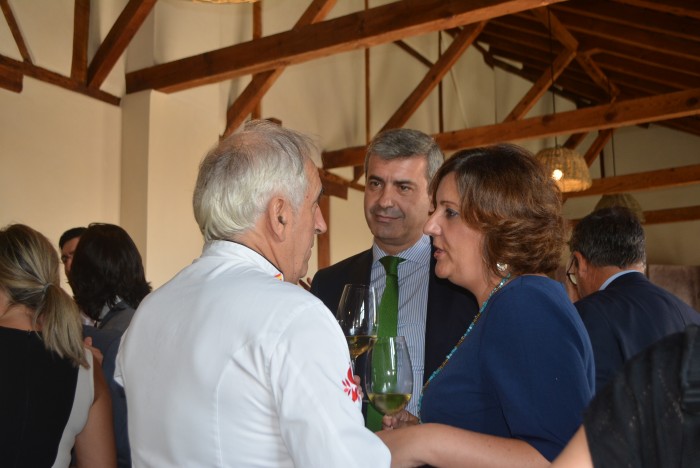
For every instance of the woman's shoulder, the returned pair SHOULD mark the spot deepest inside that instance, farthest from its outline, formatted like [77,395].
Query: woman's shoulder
[534,286]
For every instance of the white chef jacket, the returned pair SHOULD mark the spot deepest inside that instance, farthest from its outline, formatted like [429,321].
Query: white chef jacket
[226,365]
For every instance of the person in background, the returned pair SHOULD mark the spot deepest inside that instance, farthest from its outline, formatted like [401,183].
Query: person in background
[231,363]
[52,396]
[622,310]
[67,245]
[107,276]
[649,415]
[433,313]
[108,281]
[513,390]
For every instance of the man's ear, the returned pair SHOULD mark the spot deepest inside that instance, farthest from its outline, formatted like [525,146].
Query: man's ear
[278,215]
[583,265]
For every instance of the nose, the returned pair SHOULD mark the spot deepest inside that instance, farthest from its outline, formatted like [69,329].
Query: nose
[431,227]
[386,200]
[320,223]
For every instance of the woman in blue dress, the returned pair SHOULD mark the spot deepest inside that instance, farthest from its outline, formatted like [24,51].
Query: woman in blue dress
[513,390]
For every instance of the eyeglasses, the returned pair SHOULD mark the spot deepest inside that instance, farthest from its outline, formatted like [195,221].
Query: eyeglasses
[570,274]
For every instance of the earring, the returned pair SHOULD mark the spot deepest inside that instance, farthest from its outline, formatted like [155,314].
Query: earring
[502,267]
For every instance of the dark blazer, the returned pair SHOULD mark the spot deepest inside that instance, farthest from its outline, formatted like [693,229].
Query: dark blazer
[107,341]
[450,308]
[627,316]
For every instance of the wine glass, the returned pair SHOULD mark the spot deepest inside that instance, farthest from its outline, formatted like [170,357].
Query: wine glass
[357,316]
[389,375]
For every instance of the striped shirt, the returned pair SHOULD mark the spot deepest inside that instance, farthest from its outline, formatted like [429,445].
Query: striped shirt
[414,274]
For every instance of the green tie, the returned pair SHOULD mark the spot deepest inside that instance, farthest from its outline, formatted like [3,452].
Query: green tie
[388,318]
[388,315]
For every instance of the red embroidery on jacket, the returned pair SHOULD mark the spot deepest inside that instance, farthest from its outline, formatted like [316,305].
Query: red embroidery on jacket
[349,386]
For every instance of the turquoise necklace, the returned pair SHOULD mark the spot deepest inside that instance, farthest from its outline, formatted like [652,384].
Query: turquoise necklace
[461,340]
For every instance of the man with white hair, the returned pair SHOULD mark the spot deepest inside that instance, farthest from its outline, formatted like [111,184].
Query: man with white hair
[231,363]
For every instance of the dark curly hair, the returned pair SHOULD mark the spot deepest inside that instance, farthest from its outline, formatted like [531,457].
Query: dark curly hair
[506,195]
[107,264]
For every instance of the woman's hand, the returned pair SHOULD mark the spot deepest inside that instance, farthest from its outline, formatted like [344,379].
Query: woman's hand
[400,419]
[96,353]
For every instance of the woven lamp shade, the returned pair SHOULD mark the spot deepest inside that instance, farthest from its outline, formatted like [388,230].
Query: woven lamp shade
[568,168]
[624,200]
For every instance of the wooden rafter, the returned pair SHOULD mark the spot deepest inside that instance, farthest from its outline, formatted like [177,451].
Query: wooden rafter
[413,53]
[597,146]
[672,215]
[16,32]
[619,114]
[687,8]
[118,38]
[642,18]
[669,215]
[616,115]
[371,27]
[563,35]
[616,34]
[51,77]
[460,43]
[11,78]
[541,86]
[640,181]
[256,112]
[262,82]
[81,29]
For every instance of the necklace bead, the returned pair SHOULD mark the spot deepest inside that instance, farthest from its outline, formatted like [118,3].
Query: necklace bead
[461,340]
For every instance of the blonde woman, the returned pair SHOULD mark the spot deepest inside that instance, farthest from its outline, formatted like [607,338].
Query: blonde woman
[52,396]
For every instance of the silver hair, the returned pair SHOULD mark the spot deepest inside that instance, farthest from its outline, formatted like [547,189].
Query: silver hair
[239,177]
[401,143]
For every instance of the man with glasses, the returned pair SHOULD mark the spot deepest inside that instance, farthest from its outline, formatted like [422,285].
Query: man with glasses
[67,244]
[622,310]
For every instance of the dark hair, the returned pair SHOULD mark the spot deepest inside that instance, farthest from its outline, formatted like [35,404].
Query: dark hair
[107,264]
[610,236]
[71,233]
[506,195]
[404,143]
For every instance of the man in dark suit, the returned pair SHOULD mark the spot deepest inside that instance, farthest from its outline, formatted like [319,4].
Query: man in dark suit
[622,310]
[433,313]
[107,342]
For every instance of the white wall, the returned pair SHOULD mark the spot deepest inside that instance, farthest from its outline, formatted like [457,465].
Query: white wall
[68,160]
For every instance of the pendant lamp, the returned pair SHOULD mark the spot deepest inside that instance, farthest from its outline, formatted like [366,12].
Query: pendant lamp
[567,167]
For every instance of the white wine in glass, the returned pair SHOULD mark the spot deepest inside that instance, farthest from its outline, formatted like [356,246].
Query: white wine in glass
[357,316]
[389,375]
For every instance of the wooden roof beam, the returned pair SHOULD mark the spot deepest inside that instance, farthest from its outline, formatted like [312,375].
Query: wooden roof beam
[687,8]
[81,29]
[642,181]
[549,76]
[619,114]
[672,215]
[597,146]
[575,140]
[51,77]
[118,38]
[640,18]
[11,78]
[16,32]
[633,36]
[262,82]
[669,215]
[366,28]
[437,72]
[563,35]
